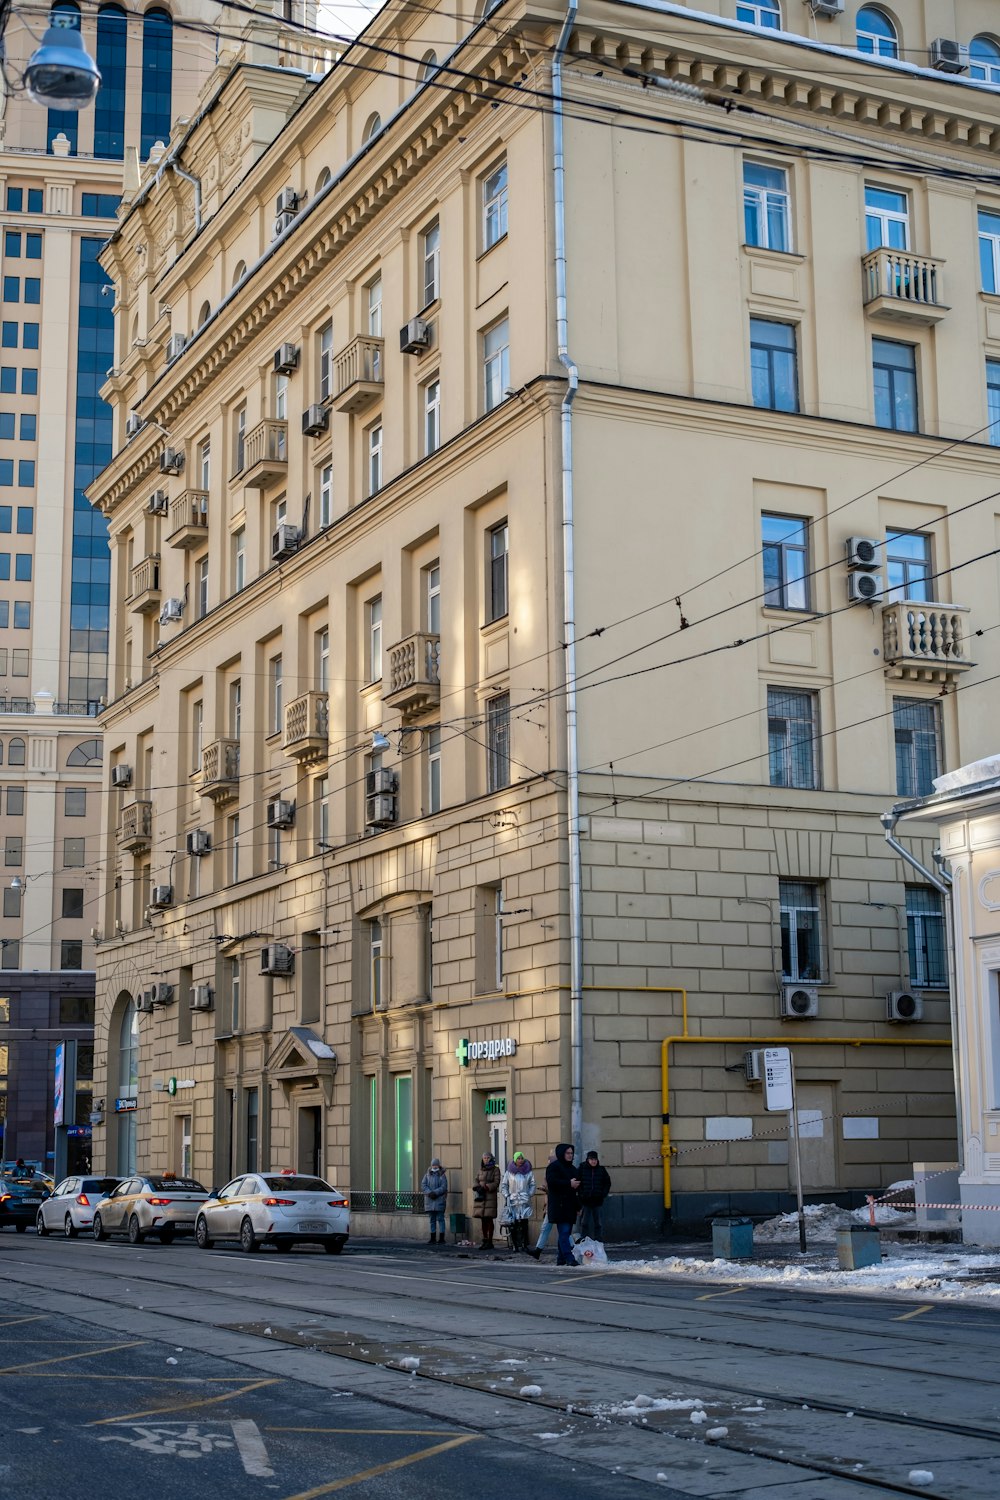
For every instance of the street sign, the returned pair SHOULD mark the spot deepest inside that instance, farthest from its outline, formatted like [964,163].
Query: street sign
[171,1086]
[777,1078]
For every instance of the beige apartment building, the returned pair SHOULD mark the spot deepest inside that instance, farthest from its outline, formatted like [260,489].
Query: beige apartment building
[666,341]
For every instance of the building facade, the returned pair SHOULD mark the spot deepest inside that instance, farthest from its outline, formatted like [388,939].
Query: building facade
[342,837]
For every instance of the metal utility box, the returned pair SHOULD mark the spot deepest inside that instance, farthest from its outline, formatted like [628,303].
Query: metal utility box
[858,1246]
[732,1239]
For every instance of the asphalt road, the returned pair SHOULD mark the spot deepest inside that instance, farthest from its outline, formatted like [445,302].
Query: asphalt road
[167,1371]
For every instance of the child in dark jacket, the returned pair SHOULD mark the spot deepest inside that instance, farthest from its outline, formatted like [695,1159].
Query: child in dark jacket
[595,1185]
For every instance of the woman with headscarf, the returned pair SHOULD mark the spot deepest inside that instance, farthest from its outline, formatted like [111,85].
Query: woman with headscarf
[518,1189]
[484,1191]
[434,1186]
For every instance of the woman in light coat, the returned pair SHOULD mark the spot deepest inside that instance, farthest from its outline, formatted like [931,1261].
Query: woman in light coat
[518,1190]
[485,1193]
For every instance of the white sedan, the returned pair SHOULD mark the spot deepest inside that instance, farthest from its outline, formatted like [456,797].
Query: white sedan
[275,1208]
[70,1206]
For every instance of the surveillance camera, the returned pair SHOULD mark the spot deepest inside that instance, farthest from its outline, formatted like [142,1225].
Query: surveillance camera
[60,74]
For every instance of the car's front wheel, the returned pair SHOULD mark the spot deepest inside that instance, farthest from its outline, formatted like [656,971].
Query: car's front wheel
[40,1228]
[135,1234]
[202,1238]
[69,1228]
[99,1232]
[248,1240]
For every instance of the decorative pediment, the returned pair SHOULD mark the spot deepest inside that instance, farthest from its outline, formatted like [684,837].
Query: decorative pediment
[302,1057]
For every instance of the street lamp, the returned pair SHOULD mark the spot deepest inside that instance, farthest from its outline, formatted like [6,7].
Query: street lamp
[60,73]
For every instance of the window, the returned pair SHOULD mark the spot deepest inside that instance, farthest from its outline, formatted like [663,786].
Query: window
[432,416]
[201,588]
[792,739]
[786,561]
[984,60]
[15,801]
[766,209]
[495,206]
[321,799]
[11,902]
[325,361]
[33,246]
[235,992]
[801,934]
[75,802]
[917,732]
[233,840]
[375,311]
[277,684]
[375,459]
[993,399]
[98,205]
[239,560]
[887,219]
[372,127]
[766,13]
[374,663]
[5,567]
[375,963]
[25,472]
[498,938]
[432,598]
[10,957]
[29,336]
[197,734]
[12,849]
[876,33]
[32,290]
[8,379]
[12,244]
[496,364]
[7,426]
[29,381]
[894,370]
[322,660]
[326,494]
[71,953]
[428,66]
[498,742]
[157,66]
[773,371]
[430,256]
[8,335]
[74,853]
[907,565]
[240,441]
[403,1137]
[109,108]
[497,604]
[25,520]
[72,902]
[15,753]
[253,1128]
[926,937]
[235,709]
[12,289]
[205,464]
[434,770]
[28,427]
[989,250]
[281,398]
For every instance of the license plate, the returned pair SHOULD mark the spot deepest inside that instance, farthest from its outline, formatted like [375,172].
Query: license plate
[31,1200]
[312,1226]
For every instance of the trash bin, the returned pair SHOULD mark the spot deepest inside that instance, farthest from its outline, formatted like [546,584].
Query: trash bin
[458,1224]
[858,1246]
[732,1239]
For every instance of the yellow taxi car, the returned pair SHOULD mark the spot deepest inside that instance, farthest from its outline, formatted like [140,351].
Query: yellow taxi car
[161,1204]
[275,1208]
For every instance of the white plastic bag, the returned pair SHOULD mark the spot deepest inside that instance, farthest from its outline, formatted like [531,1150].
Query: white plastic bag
[590,1253]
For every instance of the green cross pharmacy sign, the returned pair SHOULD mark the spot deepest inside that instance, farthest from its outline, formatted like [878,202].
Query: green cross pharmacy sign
[488,1051]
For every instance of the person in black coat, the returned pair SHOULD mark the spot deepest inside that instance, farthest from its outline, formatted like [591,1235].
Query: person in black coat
[562,1182]
[595,1185]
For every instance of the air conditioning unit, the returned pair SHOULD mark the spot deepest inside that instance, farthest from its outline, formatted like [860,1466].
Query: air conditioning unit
[948,56]
[828,8]
[162,895]
[158,504]
[315,419]
[171,461]
[133,424]
[799,1002]
[862,552]
[202,997]
[144,1002]
[753,1067]
[281,223]
[162,994]
[287,201]
[414,336]
[176,345]
[276,958]
[172,610]
[900,1005]
[121,776]
[198,842]
[284,541]
[380,811]
[380,781]
[286,359]
[280,814]
[863,588]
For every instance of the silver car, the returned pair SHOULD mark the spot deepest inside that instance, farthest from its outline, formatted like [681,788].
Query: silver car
[71,1205]
[161,1204]
[275,1208]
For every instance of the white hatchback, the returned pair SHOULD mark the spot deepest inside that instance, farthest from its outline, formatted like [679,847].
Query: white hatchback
[275,1208]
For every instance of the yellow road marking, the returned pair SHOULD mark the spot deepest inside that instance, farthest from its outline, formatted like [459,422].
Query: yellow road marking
[915,1313]
[166,1411]
[62,1358]
[397,1463]
[707,1297]
[12,1322]
[369,1431]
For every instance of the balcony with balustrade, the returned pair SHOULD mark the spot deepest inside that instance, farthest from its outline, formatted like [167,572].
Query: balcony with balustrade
[265,455]
[189,520]
[414,675]
[135,831]
[307,728]
[358,379]
[220,771]
[925,642]
[903,288]
[144,590]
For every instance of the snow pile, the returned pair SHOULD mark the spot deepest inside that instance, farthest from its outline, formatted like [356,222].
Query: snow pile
[531,1390]
[920,1476]
[717,1433]
[410,1363]
[824,1219]
[640,1406]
